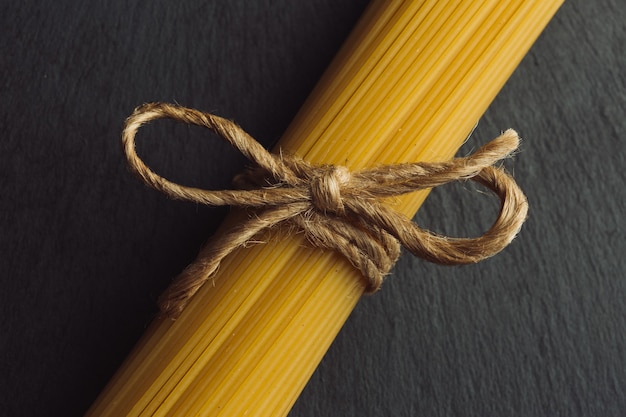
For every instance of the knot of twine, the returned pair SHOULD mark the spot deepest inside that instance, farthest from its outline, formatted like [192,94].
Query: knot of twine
[335,208]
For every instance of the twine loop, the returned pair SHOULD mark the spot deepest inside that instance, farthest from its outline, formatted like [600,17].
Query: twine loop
[326,189]
[335,208]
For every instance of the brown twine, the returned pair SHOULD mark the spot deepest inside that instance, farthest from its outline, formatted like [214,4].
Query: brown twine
[335,208]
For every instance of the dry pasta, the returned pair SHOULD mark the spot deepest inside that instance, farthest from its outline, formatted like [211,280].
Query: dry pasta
[409,84]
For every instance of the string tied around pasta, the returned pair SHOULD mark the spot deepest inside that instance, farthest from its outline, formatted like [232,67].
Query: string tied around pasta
[335,208]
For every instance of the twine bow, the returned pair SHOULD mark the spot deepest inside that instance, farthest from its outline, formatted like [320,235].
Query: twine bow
[335,208]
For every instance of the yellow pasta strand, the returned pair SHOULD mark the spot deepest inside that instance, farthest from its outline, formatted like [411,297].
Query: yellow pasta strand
[409,84]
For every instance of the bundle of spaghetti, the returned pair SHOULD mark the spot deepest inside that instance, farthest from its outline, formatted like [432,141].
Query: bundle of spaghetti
[409,84]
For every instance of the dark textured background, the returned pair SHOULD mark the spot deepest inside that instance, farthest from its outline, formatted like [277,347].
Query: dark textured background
[85,248]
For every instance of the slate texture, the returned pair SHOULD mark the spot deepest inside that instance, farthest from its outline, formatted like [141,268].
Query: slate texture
[85,248]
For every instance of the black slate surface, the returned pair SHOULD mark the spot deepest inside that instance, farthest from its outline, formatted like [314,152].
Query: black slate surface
[86,249]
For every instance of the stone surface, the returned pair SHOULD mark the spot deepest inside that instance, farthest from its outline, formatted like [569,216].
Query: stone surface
[86,249]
